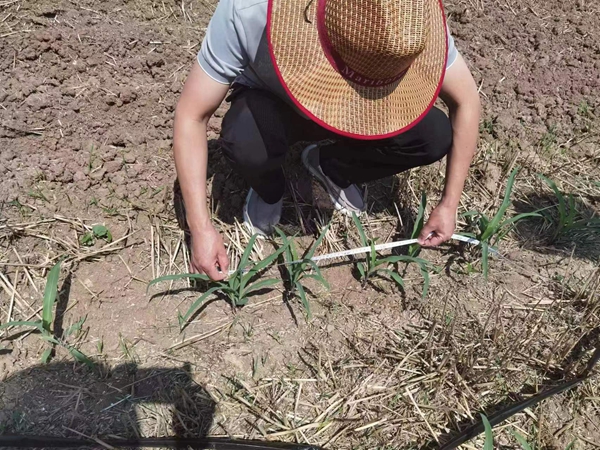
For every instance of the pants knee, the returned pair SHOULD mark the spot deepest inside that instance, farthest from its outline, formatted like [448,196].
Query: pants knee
[246,142]
[238,153]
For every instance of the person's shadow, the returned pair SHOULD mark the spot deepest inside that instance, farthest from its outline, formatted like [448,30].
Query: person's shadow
[63,400]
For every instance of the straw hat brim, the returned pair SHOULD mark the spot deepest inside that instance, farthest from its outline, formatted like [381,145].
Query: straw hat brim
[347,108]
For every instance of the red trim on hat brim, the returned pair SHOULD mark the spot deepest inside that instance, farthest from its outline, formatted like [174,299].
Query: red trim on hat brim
[342,132]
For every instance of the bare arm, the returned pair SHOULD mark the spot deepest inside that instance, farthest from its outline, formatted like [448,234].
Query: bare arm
[200,98]
[459,92]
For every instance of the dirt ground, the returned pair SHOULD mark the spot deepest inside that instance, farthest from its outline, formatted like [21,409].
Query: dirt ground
[87,95]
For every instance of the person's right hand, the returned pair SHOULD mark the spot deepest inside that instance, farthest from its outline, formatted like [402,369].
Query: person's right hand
[208,254]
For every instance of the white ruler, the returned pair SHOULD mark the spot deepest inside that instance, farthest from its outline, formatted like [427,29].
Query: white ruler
[379,247]
[389,245]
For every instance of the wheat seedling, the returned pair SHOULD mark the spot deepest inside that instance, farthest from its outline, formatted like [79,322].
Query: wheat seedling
[298,269]
[375,266]
[44,326]
[569,218]
[238,287]
[492,231]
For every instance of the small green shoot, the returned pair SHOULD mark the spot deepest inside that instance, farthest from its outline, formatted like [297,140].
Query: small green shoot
[44,326]
[97,232]
[415,249]
[299,271]
[489,437]
[238,288]
[569,218]
[375,266]
[492,231]
[521,439]
[489,434]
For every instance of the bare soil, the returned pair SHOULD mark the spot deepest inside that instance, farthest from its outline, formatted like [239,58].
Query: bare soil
[87,94]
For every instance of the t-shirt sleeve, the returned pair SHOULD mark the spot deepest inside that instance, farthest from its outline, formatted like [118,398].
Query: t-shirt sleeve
[452,51]
[222,54]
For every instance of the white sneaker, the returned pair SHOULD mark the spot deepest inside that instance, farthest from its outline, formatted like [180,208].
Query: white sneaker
[261,217]
[348,200]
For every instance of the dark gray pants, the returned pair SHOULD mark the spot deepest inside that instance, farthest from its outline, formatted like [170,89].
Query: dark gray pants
[259,128]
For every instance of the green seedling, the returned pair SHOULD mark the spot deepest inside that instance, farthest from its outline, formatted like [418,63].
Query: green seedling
[238,287]
[415,249]
[376,266]
[44,327]
[97,232]
[522,441]
[489,434]
[492,231]
[296,271]
[569,218]
[489,437]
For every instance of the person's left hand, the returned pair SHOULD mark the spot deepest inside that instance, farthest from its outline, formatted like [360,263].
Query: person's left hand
[440,226]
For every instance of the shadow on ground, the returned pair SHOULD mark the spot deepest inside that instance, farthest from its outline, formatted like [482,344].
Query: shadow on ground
[63,400]
[542,234]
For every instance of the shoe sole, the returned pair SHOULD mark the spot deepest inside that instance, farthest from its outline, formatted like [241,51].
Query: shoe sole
[320,178]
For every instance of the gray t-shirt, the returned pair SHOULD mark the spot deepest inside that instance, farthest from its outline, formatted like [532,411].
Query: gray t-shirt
[235,47]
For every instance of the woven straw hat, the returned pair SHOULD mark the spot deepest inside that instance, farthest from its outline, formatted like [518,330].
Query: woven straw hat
[366,69]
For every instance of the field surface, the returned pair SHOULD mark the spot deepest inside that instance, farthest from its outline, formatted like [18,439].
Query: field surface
[87,96]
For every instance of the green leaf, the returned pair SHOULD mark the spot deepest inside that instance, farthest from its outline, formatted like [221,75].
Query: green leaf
[178,276]
[311,251]
[403,258]
[80,357]
[426,281]
[290,250]
[508,224]
[521,440]
[492,227]
[87,239]
[361,270]
[471,213]
[314,266]
[418,226]
[361,230]
[76,327]
[247,253]
[46,355]
[571,445]
[101,232]
[192,309]
[415,249]
[241,301]
[483,223]
[489,434]
[50,293]
[22,323]
[304,300]
[49,338]
[260,266]
[397,278]
[485,258]
[372,257]
[519,217]
[258,286]
[235,280]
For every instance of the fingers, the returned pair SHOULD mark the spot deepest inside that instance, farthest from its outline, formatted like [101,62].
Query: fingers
[214,274]
[223,260]
[427,233]
[435,240]
[212,269]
